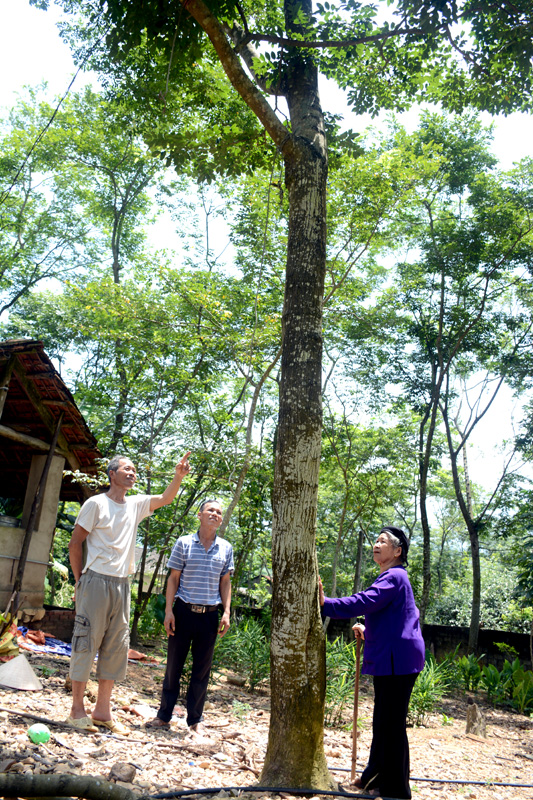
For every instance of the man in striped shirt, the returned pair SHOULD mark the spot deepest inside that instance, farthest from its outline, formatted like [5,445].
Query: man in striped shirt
[201,566]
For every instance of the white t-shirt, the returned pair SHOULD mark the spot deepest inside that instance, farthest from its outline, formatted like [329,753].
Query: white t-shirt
[112,530]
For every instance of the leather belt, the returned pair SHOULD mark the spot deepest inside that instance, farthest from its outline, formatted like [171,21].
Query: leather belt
[198,609]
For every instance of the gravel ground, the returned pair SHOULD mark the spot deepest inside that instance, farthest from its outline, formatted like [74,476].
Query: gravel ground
[230,751]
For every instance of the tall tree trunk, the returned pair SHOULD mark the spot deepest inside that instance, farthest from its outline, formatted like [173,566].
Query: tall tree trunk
[122,400]
[473,633]
[295,754]
[248,448]
[531,643]
[472,526]
[357,577]
[426,435]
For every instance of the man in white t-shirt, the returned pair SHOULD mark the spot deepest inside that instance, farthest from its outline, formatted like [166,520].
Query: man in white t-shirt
[108,524]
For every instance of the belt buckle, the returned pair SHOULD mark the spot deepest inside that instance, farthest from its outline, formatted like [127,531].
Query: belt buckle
[197,609]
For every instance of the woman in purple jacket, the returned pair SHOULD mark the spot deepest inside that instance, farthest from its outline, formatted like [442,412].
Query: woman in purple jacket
[394,655]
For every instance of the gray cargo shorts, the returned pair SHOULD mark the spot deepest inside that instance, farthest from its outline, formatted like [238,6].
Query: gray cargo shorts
[101,626]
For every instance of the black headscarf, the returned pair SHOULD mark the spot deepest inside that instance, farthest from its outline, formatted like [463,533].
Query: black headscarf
[402,538]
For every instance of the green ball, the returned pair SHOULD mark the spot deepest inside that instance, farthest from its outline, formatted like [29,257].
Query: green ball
[39,734]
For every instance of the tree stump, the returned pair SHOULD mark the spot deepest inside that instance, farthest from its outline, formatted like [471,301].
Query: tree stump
[475,721]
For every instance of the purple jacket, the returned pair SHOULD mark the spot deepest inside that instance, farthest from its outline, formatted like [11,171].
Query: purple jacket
[393,640]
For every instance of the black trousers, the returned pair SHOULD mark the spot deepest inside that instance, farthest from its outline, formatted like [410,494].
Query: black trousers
[388,763]
[198,633]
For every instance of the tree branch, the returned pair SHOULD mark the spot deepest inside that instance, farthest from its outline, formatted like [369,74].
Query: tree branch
[236,74]
[323,43]
[13,784]
[248,53]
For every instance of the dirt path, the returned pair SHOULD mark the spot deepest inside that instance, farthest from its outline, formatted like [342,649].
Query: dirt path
[231,752]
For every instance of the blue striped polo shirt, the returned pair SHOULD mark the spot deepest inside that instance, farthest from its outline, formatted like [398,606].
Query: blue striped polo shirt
[201,571]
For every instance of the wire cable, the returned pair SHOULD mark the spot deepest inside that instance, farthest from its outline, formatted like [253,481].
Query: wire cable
[324,792]
[453,780]
[269,790]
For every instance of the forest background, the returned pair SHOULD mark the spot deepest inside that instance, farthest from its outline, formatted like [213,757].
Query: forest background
[427,312]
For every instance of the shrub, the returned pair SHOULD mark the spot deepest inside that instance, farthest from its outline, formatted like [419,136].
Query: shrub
[470,672]
[506,649]
[523,690]
[497,688]
[449,671]
[151,620]
[341,664]
[245,648]
[428,691]
[513,684]
[507,675]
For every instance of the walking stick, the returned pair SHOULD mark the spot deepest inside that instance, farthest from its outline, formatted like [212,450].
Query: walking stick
[355,707]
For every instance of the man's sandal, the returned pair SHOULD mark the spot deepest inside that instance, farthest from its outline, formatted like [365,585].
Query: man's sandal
[82,724]
[112,725]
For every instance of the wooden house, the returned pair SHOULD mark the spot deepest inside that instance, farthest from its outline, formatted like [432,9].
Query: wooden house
[36,408]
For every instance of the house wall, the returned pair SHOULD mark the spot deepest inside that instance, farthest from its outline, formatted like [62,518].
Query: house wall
[11,539]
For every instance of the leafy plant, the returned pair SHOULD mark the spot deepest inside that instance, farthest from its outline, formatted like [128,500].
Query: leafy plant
[340,679]
[240,710]
[523,690]
[509,669]
[470,672]
[46,671]
[495,683]
[246,648]
[506,649]
[513,683]
[151,621]
[519,684]
[448,669]
[428,691]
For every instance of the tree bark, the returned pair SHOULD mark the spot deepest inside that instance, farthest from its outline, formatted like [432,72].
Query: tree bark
[473,534]
[295,753]
[473,633]
[531,643]
[357,577]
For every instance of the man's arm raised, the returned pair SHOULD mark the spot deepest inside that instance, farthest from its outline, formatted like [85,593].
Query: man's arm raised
[182,468]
